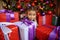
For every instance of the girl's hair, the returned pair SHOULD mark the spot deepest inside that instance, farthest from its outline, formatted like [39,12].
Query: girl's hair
[31,9]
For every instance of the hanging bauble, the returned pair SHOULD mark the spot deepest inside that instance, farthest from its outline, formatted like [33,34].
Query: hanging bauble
[47,2]
[22,10]
[49,12]
[18,6]
[27,0]
[33,4]
[43,13]
[29,5]
[51,4]
[38,14]
[42,0]
[35,0]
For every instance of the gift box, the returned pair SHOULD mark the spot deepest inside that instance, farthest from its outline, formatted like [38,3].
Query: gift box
[45,33]
[49,19]
[54,20]
[45,20]
[9,32]
[7,16]
[26,32]
[27,29]
[41,19]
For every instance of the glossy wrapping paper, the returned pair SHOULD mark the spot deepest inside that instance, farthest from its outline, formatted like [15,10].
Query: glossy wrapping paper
[46,33]
[9,16]
[13,35]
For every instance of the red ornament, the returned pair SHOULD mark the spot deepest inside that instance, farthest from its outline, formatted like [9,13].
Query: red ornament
[27,0]
[42,0]
[49,12]
[35,0]
[18,6]
[51,5]
[33,4]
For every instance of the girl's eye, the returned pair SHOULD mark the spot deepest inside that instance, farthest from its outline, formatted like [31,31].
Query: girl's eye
[34,14]
[29,14]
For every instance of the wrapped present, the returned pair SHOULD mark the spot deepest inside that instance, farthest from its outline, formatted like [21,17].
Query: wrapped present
[45,20]
[8,16]
[49,19]
[27,29]
[46,33]
[41,20]
[54,20]
[9,32]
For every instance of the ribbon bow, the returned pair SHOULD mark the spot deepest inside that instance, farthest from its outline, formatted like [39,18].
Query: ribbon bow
[26,21]
[9,14]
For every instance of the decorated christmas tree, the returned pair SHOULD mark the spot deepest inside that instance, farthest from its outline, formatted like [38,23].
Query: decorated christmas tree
[43,6]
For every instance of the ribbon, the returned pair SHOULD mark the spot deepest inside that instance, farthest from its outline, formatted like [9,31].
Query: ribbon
[2,11]
[6,23]
[27,21]
[44,19]
[5,31]
[53,34]
[31,28]
[9,14]
[31,32]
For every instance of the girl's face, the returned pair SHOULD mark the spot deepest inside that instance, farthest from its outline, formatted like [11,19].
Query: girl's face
[31,15]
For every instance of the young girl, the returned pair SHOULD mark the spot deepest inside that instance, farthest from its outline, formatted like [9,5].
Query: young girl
[28,25]
[31,17]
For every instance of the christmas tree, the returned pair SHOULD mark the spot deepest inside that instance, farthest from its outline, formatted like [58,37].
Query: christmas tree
[43,6]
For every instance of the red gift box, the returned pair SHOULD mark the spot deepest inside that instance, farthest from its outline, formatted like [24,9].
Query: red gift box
[45,20]
[39,19]
[3,17]
[12,35]
[49,19]
[42,33]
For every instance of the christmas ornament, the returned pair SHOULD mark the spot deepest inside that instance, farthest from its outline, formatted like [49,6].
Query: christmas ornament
[35,0]
[27,0]
[28,5]
[22,10]
[49,12]
[43,13]
[33,4]
[18,6]
[51,5]
[42,0]
[47,2]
